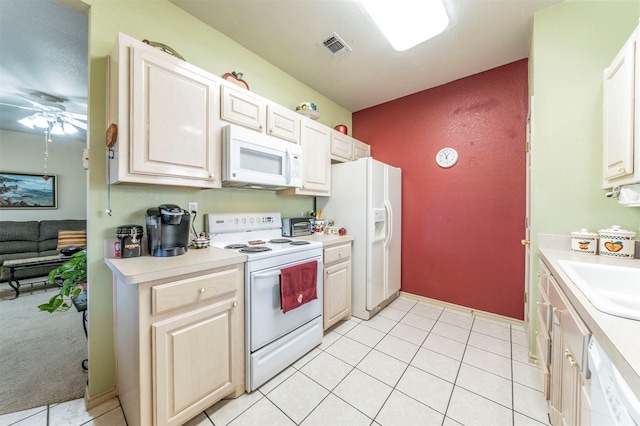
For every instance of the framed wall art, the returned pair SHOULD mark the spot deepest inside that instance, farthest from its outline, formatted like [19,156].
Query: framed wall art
[28,191]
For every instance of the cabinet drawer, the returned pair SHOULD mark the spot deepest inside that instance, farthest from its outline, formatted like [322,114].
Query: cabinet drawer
[175,294]
[336,253]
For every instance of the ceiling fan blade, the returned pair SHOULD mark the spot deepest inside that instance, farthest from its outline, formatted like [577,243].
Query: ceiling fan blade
[78,124]
[19,106]
[75,115]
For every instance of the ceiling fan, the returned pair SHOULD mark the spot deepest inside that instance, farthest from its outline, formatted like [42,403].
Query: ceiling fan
[49,113]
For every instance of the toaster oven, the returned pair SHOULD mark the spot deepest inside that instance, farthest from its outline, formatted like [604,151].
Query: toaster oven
[296,226]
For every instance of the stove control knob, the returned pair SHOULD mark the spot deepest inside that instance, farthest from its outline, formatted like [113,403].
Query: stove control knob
[250,220]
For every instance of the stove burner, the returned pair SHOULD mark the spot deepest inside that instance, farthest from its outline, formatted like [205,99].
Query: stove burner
[254,249]
[235,246]
[279,241]
[299,243]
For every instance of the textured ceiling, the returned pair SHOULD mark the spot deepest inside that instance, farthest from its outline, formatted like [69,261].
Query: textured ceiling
[43,51]
[482,34]
[44,45]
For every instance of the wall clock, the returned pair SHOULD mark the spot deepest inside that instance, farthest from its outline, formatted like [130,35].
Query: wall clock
[446,157]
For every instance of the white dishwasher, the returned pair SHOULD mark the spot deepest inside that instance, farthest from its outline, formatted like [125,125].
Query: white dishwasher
[612,400]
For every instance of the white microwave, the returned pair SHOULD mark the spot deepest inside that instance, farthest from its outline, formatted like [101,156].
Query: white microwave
[257,161]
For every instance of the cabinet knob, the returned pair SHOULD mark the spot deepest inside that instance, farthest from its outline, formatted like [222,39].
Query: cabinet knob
[235,304]
[270,130]
[340,254]
[524,242]
[621,169]
[261,127]
[202,289]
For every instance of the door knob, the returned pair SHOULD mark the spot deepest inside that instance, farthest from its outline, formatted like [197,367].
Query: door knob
[524,242]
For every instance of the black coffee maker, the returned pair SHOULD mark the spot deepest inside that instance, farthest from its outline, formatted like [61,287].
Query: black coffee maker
[167,230]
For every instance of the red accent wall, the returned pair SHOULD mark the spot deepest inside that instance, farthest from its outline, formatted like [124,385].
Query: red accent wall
[462,226]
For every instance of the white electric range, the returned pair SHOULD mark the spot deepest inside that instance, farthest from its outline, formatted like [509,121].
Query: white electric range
[273,340]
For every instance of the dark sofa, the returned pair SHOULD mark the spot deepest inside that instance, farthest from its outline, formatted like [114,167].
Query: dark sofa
[24,240]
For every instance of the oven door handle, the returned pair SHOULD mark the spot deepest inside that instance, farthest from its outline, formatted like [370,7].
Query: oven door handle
[267,274]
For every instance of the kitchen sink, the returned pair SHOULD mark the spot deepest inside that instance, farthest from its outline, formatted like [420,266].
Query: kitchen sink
[614,290]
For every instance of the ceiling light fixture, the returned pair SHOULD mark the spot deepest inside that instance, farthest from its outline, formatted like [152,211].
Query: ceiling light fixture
[407,23]
[52,123]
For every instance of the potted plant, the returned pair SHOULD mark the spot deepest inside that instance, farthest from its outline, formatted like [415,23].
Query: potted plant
[71,276]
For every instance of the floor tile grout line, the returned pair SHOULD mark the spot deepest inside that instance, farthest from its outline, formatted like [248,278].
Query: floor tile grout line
[446,411]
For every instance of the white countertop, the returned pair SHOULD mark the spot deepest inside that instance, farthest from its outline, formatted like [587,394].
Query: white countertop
[135,270]
[620,337]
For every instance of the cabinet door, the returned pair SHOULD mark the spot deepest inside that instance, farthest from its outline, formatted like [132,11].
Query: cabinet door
[337,293]
[557,362]
[171,130]
[619,116]
[241,107]
[316,173]
[341,146]
[194,360]
[283,123]
[360,150]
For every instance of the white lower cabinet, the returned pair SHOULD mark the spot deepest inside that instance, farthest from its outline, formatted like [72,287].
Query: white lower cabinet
[569,384]
[337,283]
[180,344]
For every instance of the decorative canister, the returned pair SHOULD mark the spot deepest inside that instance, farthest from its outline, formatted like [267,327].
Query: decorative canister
[130,237]
[584,241]
[617,242]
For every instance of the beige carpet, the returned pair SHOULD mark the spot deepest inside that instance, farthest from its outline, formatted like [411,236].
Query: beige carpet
[40,353]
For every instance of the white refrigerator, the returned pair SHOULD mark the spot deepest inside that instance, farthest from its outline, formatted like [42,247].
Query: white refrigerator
[366,199]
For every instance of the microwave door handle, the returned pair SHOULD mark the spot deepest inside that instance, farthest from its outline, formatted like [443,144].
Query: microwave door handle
[290,165]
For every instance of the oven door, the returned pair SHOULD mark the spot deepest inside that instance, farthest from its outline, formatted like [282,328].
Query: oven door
[266,320]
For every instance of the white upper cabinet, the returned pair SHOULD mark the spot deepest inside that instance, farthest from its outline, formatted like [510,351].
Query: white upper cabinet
[360,149]
[315,139]
[162,106]
[240,106]
[283,123]
[621,153]
[346,148]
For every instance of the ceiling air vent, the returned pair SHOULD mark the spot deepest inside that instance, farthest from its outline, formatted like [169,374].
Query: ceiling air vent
[335,45]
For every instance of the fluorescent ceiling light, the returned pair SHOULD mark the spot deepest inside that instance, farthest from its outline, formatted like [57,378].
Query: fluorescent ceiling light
[407,23]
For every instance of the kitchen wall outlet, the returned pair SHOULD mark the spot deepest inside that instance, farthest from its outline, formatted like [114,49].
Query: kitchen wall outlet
[193,207]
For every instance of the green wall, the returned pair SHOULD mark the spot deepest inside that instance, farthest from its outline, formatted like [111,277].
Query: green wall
[572,43]
[161,21]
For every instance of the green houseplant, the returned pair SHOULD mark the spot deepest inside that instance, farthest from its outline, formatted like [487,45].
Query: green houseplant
[71,276]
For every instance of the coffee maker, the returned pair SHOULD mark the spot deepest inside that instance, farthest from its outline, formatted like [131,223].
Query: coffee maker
[167,230]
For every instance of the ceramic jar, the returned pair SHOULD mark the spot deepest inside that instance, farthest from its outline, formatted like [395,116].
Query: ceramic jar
[617,242]
[584,242]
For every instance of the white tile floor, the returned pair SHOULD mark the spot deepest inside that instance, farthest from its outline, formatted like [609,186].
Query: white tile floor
[412,364]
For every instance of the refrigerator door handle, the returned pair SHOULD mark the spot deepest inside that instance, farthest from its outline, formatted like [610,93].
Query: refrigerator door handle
[388,221]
